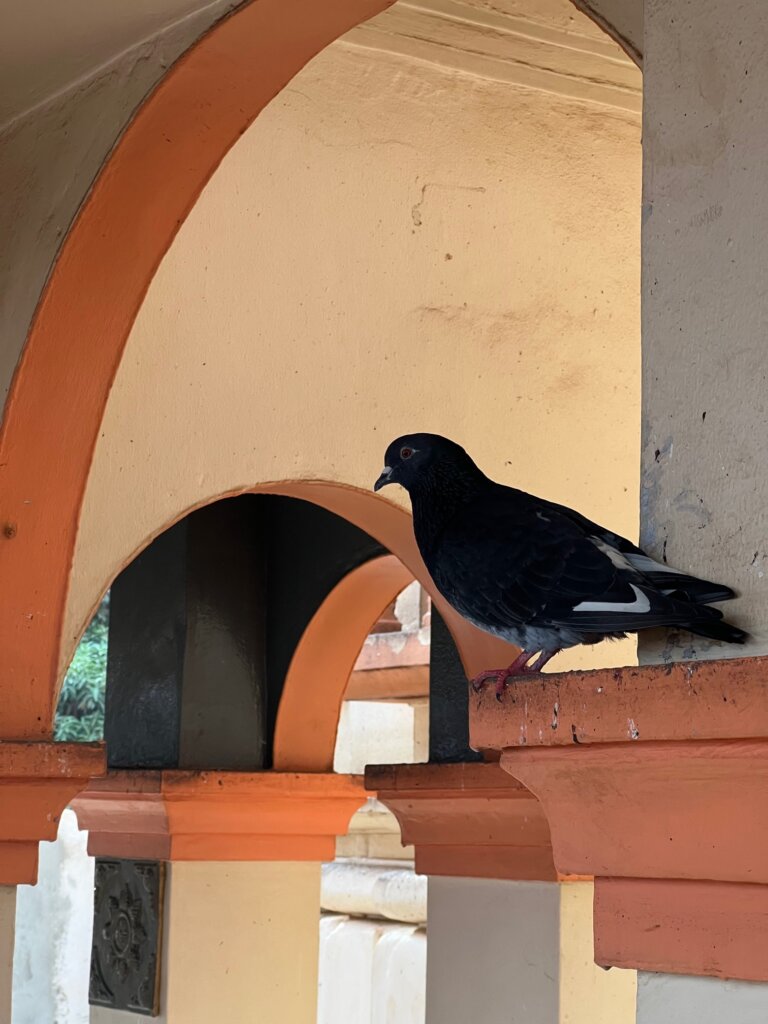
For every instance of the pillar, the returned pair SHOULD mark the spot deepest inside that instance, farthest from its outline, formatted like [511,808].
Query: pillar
[207,877]
[705,309]
[509,938]
[515,952]
[234,934]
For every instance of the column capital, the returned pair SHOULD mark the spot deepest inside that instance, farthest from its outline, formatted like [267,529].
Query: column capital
[218,815]
[467,820]
[653,780]
[37,781]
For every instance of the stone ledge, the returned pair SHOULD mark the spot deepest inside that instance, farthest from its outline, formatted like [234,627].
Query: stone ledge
[683,701]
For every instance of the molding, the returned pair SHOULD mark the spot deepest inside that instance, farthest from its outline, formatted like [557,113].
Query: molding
[467,820]
[632,47]
[218,816]
[712,928]
[693,810]
[523,50]
[37,781]
[683,701]
[652,779]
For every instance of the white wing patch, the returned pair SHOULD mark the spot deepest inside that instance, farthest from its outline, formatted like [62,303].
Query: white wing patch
[639,606]
[616,557]
[646,564]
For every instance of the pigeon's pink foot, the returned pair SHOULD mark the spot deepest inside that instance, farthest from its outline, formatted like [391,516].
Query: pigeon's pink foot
[542,660]
[501,675]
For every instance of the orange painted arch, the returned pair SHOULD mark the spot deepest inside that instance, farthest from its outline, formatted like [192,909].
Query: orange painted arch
[308,715]
[142,195]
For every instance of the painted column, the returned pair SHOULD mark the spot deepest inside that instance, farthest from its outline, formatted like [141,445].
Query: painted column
[508,938]
[238,926]
[705,363]
[513,952]
[240,944]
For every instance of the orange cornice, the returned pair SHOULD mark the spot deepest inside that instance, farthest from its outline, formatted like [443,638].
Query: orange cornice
[715,928]
[685,700]
[37,781]
[653,779]
[694,809]
[219,816]
[467,820]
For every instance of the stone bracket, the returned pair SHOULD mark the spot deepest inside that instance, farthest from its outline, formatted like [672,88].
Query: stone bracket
[467,820]
[37,781]
[218,815]
[653,810]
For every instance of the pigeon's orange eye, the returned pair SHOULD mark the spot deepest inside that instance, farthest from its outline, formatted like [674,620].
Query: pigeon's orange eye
[406,453]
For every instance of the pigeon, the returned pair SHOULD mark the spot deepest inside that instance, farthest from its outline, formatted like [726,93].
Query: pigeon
[537,574]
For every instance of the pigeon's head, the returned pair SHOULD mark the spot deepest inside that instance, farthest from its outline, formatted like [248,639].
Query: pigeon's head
[412,458]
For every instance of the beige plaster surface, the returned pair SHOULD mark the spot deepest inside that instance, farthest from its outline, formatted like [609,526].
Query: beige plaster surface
[392,246]
[588,994]
[70,79]
[241,942]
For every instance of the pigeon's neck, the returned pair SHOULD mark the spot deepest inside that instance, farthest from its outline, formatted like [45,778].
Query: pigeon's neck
[438,496]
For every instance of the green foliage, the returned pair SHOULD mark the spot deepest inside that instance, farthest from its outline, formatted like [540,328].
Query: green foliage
[80,713]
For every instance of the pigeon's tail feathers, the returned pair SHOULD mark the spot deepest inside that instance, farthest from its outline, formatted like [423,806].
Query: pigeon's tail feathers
[692,589]
[674,583]
[718,629]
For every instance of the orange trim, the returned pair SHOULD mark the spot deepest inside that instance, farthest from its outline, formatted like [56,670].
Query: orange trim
[37,781]
[467,820]
[202,815]
[672,821]
[700,928]
[53,413]
[308,717]
[296,747]
[654,810]
[687,700]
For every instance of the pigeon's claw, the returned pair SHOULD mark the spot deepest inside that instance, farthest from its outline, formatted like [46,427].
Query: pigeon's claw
[501,675]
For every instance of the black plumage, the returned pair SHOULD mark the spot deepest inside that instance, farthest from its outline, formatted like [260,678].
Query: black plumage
[535,573]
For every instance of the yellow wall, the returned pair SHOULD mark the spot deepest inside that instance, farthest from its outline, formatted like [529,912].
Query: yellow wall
[393,246]
[588,994]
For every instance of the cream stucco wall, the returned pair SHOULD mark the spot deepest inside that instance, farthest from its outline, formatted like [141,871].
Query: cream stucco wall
[392,246]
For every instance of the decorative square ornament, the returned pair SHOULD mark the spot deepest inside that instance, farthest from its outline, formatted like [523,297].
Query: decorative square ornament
[127,934]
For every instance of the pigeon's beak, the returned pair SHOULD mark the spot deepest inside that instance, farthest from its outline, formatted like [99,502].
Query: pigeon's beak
[384,479]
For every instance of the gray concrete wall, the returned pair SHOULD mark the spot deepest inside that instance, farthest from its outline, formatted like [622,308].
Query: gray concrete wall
[492,952]
[621,19]
[705,305]
[678,999]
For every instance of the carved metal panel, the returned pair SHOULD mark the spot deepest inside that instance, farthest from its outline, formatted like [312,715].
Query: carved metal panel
[127,932]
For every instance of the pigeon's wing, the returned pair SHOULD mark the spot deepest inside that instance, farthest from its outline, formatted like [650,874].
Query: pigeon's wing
[507,561]
[672,582]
